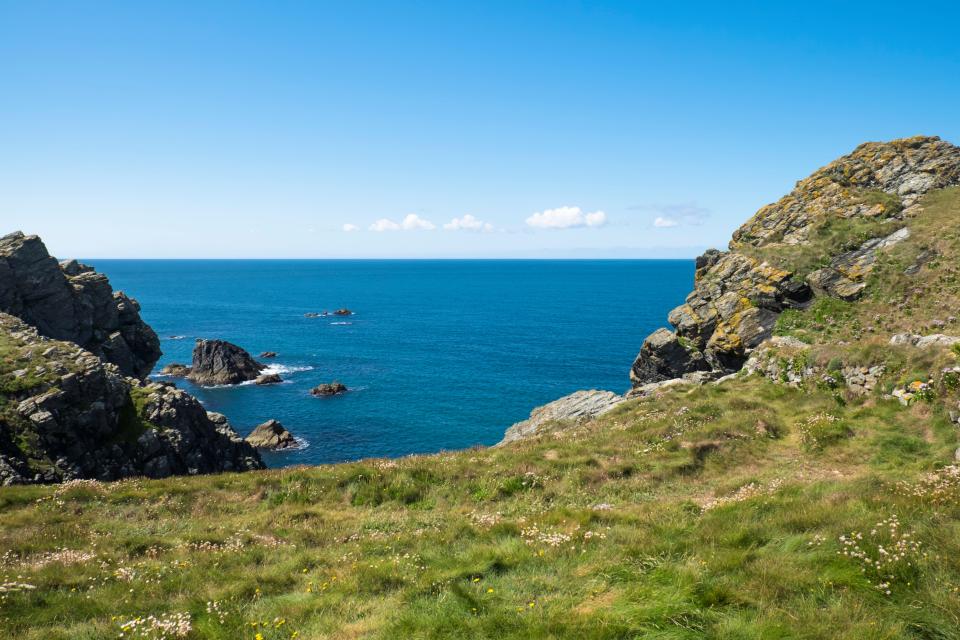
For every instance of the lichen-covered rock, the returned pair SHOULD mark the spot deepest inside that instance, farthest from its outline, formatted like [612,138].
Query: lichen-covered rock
[845,277]
[66,414]
[71,301]
[738,297]
[732,309]
[217,362]
[905,169]
[578,406]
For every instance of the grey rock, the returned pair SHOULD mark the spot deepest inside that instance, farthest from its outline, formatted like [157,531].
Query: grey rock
[663,356]
[578,406]
[923,342]
[268,378]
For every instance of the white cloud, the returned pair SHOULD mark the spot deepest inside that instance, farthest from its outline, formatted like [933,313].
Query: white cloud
[413,221]
[566,218]
[664,223]
[468,223]
[384,224]
[350,227]
[596,219]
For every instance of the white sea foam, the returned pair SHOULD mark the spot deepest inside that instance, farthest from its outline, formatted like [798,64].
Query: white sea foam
[341,323]
[176,337]
[281,369]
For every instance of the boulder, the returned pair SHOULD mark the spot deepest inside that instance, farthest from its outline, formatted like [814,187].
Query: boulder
[329,389]
[268,378]
[218,362]
[268,354]
[271,435]
[72,302]
[343,312]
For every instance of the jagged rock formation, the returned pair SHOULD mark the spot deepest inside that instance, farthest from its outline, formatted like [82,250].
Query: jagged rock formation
[739,294]
[71,301]
[578,406]
[66,413]
[220,362]
[271,435]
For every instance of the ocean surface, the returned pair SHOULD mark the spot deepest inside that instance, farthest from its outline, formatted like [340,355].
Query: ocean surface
[440,354]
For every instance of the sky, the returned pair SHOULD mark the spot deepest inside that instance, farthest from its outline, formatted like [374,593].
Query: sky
[444,129]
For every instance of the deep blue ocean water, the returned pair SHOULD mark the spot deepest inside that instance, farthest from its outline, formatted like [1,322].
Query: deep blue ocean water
[439,354]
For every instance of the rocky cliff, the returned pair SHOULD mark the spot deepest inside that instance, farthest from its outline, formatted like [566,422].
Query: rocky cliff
[73,401]
[72,302]
[821,239]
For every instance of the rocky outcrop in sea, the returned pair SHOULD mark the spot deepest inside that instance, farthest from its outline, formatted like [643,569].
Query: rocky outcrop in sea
[217,362]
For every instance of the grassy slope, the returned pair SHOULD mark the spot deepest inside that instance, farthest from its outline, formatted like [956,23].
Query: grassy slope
[448,546]
[711,512]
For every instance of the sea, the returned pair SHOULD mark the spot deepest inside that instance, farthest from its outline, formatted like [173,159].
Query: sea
[438,354]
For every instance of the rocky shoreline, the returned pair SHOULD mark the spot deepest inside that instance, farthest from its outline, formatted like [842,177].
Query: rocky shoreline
[74,397]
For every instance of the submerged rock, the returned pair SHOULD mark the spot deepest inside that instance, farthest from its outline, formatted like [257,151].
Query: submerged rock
[329,389]
[271,435]
[268,378]
[343,312]
[217,362]
[268,354]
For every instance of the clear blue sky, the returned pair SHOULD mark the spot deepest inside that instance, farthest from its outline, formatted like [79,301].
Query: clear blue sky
[240,129]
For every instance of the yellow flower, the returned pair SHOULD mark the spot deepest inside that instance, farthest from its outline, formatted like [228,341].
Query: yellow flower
[490,590]
[259,636]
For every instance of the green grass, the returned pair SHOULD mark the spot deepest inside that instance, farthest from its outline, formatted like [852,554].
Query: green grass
[704,513]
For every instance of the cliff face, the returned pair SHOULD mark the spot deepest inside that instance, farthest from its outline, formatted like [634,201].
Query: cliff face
[73,403]
[821,239]
[71,301]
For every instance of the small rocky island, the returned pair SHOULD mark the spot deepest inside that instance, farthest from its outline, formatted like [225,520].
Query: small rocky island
[273,436]
[218,362]
[334,388]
